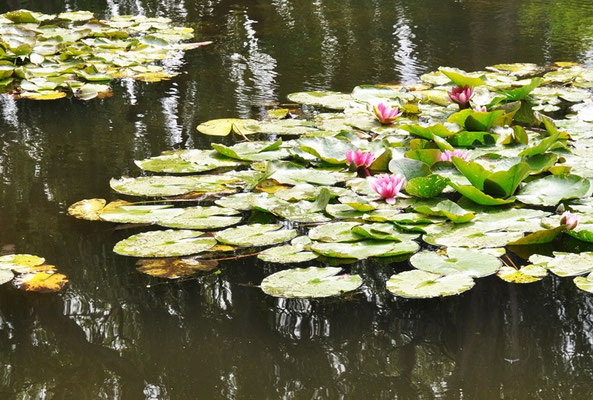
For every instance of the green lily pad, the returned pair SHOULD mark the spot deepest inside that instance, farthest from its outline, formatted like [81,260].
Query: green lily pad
[255,235]
[162,186]
[479,197]
[330,149]
[418,284]
[472,238]
[584,283]
[426,186]
[570,264]
[293,174]
[335,232]
[167,243]
[447,209]
[201,218]
[385,231]
[223,127]
[329,100]
[139,214]
[552,189]
[189,161]
[253,151]
[20,263]
[459,79]
[474,263]
[365,249]
[288,254]
[310,282]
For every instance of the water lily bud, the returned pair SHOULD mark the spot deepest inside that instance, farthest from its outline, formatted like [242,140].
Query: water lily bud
[570,220]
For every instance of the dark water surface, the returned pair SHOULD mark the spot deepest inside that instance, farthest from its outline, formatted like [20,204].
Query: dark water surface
[116,333]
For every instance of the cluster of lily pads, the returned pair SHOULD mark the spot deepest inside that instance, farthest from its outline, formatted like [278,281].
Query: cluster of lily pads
[30,273]
[446,172]
[45,57]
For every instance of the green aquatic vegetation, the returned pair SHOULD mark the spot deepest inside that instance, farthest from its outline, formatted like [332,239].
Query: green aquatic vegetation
[47,57]
[385,171]
[310,282]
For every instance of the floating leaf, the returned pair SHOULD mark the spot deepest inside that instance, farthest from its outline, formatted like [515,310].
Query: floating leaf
[162,186]
[568,264]
[539,237]
[223,127]
[20,262]
[552,189]
[164,243]
[288,254]
[474,263]
[460,79]
[384,231]
[447,209]
[255,235]
[42,281]
[139,214]
[365,249]
[335,232]
[584,283]
[87,209]
[310,282]
[330,149]
[201,218]
[418,284]
[526,274]
[330,100]
[426,186]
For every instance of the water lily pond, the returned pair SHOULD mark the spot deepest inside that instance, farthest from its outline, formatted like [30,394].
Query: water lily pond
[193,208]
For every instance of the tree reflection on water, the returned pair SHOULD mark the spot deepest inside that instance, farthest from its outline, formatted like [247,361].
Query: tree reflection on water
[118,334]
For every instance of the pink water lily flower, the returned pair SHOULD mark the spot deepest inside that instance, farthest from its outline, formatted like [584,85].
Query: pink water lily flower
[570,220]
[386,114]
[387,186]
[480,109]
[461,95]
[447,154]
[359,158]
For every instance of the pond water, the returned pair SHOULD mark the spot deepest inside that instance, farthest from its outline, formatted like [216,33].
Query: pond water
[116,333]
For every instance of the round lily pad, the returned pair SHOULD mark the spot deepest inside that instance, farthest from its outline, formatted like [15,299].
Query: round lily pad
[470,262]
[310,282]
[139,214]
[584,283]
[162,186]
[422,285]
[164,243]
[286,255]
[365,249]
[87,209]
[335,232]
[20,262]
[255,235]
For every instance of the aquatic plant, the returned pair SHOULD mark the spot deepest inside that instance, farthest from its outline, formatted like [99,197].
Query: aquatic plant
[30,273]
[455,221]
[359,158]
[386,114]
[46,57]
[461,95]
[570,220]
[447,154]
[387,186]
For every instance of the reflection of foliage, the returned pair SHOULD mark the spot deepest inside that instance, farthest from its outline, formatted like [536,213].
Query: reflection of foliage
[562,23]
